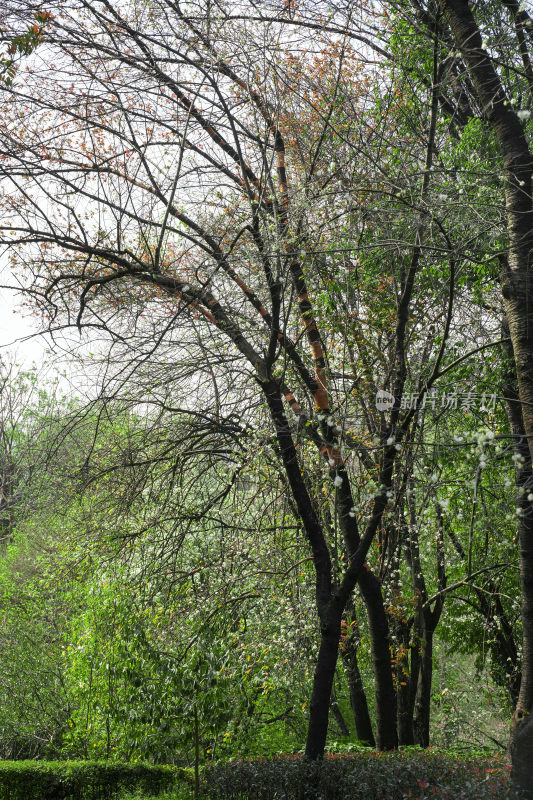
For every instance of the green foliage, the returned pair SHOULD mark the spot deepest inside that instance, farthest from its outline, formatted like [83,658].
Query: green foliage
[80,780]
[33,701]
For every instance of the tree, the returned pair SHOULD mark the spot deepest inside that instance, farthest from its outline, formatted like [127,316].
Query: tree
[237,272]
[178,185]
[508,22]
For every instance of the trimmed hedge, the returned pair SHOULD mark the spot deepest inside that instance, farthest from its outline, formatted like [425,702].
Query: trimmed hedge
[81,780]
[374,776]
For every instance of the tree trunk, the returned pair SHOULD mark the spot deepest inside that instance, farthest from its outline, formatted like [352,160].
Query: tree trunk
[423,689]
[370,587]
[521,740]
[517,290]
[344,730]
[386,733]
[358,702]
[322,686]
[425,622]
[328,613]
[406,677]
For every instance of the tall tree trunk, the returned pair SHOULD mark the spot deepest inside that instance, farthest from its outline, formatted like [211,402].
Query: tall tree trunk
[386,733]
[328,612]
[424,622]
[378,624]
[331,603]
[521,741]
[322,686]
[406,679]
[423,689]
[517,290]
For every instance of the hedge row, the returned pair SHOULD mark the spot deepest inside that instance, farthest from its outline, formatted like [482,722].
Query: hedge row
[80,780]
[374,776]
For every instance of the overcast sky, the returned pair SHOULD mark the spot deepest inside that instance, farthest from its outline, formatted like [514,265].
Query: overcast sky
[16,325]
[19,343]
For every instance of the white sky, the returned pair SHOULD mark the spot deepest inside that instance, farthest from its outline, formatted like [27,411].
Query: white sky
[20,344]
[16,325]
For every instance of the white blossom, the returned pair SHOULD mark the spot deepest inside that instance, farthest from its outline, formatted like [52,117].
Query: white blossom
[523,115]
[338,480]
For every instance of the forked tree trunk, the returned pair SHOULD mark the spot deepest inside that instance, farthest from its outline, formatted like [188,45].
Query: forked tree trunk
[331,604]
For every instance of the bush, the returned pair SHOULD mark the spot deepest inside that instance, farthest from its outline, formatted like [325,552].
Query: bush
[80,780]
[376,776]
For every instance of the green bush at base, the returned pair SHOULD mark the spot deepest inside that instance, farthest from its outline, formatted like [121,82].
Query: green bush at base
[81,780]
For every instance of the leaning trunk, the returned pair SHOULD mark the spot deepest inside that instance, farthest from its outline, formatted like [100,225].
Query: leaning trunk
[329,615]
[344,730]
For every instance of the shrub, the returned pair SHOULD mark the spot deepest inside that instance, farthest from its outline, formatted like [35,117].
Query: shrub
[80,780]
[376,776]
